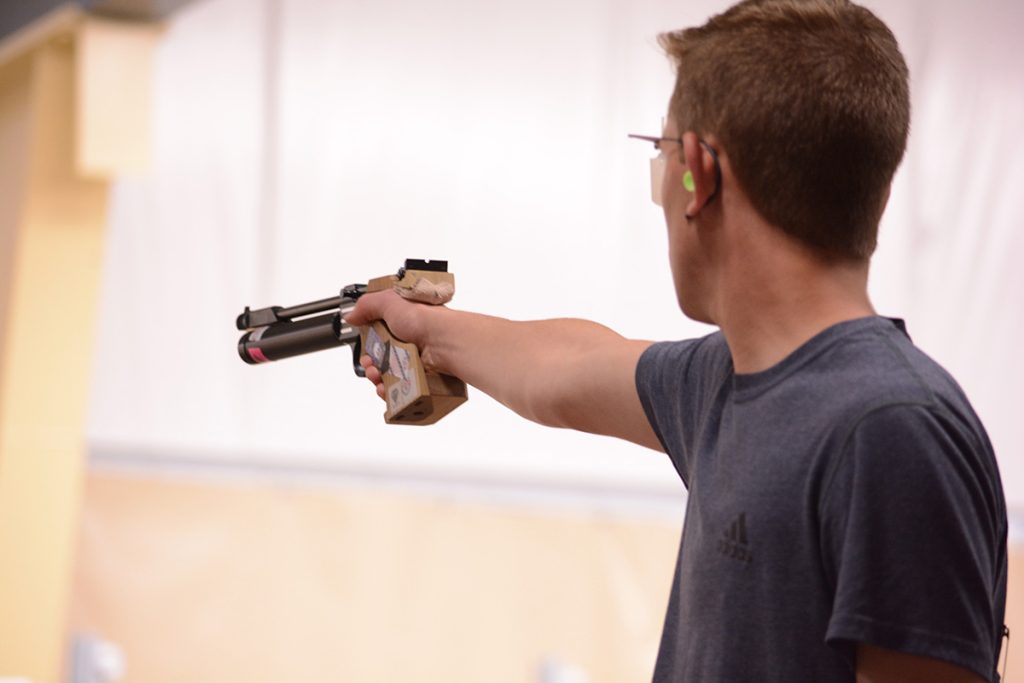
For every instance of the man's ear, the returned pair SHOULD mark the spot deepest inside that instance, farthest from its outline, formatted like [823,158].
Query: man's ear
[701,165]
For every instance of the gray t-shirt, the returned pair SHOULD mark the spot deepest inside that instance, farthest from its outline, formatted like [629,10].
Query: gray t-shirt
[848,494]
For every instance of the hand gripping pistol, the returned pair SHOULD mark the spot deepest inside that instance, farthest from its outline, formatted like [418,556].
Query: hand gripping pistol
[414,395]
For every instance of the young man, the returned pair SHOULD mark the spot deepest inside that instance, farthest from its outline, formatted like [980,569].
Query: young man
[845,518]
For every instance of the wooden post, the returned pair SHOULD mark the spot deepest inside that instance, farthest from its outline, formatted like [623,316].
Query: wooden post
[55,167]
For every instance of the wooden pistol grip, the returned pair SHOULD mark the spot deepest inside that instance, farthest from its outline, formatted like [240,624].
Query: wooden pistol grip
[414,396]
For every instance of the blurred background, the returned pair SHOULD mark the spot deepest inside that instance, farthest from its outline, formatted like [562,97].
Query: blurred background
[169,513]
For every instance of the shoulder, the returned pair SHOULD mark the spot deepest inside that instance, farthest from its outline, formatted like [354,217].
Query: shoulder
[895,398]
[686,360]
[920,441]
[675,376]
[862,366]
[675,382]
[893,386]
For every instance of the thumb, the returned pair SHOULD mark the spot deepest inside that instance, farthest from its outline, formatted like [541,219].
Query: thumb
[368,308]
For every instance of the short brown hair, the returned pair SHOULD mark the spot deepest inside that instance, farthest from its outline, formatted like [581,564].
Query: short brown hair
[810,98]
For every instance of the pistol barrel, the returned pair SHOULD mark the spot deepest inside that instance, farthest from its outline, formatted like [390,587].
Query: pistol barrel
[294,338]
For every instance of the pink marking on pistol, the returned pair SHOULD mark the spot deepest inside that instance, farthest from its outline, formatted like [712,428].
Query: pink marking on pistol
[256,354]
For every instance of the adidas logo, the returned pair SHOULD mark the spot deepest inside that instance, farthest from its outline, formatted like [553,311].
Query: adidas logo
[733,543]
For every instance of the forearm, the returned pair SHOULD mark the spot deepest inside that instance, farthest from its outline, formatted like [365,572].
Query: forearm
[532,367]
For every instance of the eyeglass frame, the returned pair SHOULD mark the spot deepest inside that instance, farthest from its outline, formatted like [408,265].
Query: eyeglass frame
[658,175]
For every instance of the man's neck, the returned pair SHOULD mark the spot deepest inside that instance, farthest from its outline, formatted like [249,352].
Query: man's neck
[766,312]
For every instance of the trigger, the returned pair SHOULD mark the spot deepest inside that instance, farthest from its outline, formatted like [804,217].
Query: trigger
[357,352]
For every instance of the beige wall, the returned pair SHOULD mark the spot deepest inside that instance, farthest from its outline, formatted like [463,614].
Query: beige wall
[258,583]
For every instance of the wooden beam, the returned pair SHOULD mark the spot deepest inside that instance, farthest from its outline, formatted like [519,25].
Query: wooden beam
[71,118]
[53,282]
[114,103]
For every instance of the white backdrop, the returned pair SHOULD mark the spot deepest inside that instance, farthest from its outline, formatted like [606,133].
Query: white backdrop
[301,145]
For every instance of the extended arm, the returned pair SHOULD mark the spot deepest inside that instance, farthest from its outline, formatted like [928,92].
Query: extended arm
[561,373]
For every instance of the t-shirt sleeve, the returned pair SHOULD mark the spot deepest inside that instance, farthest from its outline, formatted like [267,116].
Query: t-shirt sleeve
[673,380]
[914,539]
